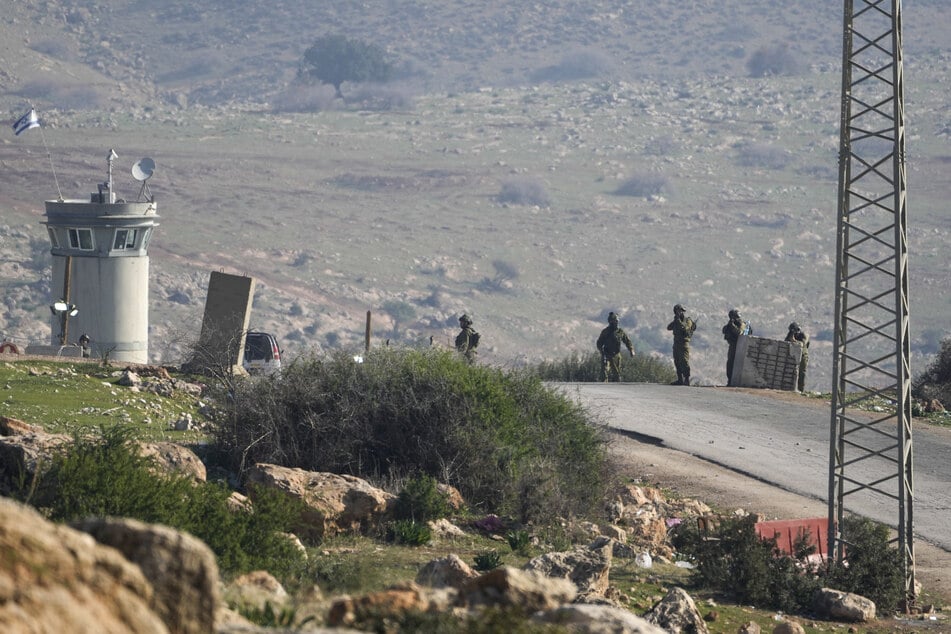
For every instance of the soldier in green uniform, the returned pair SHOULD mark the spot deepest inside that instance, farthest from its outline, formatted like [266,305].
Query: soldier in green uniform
[731,332]
[467,341]
[609,345]
[683,328]
[796,335]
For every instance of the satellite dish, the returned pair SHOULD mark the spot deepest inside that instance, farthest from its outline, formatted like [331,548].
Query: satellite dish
[143,169]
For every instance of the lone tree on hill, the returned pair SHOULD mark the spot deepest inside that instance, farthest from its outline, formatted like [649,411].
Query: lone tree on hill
[334,59]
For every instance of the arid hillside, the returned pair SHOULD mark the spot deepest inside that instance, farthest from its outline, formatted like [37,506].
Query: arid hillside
[533,165]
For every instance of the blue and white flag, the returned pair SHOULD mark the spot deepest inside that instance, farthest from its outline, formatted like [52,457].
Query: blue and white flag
[27,121]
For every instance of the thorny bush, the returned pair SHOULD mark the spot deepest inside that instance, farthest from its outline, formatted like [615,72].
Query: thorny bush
[510,444]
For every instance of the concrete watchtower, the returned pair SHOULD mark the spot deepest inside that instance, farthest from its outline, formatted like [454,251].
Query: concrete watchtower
[100,281]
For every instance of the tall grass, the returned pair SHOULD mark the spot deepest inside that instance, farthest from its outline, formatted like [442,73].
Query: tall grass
[507,442]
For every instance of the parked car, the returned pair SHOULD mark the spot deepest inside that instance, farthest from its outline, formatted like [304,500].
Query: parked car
[262,355]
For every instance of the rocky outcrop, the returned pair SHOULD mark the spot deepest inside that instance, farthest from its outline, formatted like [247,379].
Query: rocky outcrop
[52,575]
[335,503]
[646,515]
[585,567]
[182,570]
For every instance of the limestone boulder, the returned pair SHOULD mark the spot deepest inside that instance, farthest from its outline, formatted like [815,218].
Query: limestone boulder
[170,457]
[450,571]
[582,618]
[443,528]
[587,567]
[836,605]
[16,427]
[393,602]
[256,589]
[789,627]
[22,454]
[182,570]
[57,579]
[335,503]
[510,587]
[677,613]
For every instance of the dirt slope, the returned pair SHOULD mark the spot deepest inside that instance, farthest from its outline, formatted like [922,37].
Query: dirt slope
[726,490]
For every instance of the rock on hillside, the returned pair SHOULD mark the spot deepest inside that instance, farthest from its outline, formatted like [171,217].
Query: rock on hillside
[51,575]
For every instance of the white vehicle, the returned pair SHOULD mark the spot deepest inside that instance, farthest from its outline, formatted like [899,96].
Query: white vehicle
[262,355]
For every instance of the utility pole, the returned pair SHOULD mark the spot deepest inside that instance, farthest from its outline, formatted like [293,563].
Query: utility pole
[871,454]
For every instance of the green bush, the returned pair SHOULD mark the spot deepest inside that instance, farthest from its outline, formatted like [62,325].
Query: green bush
[487,560]
[492,434]
[754,571]
[268,616]
[587,368]
[873,568]
[105,476]
[750,569]
[936,378]
[421,500]
[519,541]
[409,532]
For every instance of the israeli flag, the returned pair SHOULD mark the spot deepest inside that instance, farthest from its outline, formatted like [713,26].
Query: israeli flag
[27,121]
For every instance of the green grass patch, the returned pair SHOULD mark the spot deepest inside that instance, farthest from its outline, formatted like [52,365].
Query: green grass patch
[64,397]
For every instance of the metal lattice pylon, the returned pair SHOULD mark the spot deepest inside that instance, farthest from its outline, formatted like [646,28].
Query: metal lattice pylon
[871,455]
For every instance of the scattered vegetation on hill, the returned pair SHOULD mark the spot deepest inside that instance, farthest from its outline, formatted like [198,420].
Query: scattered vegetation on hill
[752,570]
[104,476]
[507,442]
[935,381]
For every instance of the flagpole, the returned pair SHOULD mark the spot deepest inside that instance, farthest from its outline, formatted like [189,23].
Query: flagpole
[49,155]
[31,120]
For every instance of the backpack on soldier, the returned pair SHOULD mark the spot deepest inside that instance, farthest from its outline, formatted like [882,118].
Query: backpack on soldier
[474,339]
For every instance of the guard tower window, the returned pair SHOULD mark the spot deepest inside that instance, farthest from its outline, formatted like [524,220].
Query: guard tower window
[125,239]
[54,239]
[80,239]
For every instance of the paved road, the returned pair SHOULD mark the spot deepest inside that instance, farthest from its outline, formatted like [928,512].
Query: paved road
[779,438]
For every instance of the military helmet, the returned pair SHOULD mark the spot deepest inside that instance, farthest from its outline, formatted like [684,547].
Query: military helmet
[465,320]
[794,327]
[734,314]
[678,308]
[612,318]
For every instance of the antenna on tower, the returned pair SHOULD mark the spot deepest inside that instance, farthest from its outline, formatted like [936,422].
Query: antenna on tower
[106,194]
[142,171]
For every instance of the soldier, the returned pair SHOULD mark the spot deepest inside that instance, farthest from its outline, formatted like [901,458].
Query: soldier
[609,345]
[731,332]
[796,335]
[683,328]
[84,344]
[467,340]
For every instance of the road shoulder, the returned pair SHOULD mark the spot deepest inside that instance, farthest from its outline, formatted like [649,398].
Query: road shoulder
[725,490]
